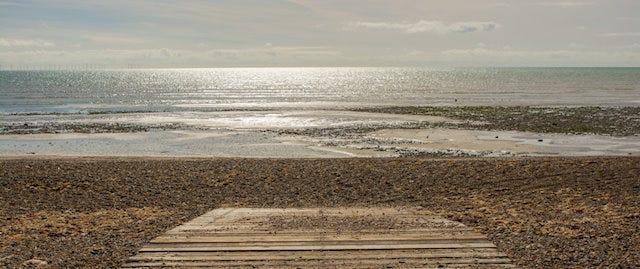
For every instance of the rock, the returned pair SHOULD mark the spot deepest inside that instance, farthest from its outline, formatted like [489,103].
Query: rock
[34,262]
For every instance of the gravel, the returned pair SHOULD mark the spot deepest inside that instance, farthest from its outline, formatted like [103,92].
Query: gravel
[540,211]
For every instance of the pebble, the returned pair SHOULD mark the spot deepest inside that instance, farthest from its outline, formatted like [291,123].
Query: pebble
[34,262]
[441,185]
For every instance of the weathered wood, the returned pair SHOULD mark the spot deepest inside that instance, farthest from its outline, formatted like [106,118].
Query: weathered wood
[257,231]
[311,255]
[306,242]
[406,263]
[319,238]
[314,238]
[270,247]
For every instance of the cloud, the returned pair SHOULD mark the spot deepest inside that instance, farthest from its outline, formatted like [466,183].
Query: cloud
[14,43]
[424,26]
[5,3]
[566,4]
[166,57]
[627,34]
[467,27]
[508,56]
[112,39]
[634,46]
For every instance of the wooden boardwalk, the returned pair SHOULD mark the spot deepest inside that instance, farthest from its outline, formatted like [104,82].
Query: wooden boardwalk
[319,238]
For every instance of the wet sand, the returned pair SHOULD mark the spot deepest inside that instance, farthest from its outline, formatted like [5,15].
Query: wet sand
[309,134]
[510,143]
[540,211]
[319,143]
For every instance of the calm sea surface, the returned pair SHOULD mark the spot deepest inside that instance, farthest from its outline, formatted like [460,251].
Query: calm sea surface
[26,92]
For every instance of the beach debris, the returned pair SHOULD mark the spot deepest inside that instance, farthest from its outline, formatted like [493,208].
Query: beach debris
[88,127]
[34,263]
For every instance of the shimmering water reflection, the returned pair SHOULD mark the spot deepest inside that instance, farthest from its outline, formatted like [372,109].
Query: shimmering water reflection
[318,88]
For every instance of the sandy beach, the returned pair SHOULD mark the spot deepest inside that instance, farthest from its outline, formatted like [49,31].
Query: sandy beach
[550,187]
[517,120]
[541,211]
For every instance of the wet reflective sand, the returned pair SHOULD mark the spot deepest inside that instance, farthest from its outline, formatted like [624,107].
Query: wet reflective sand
[292,134]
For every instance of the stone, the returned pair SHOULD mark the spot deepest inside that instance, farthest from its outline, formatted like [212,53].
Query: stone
[34,263]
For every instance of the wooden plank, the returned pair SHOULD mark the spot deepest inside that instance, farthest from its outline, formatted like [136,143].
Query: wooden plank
[313,263]
[333,266]
[319,238]
[196,232]
[320,243]
[315,238]
[332,255]
[316,247]
[309,241]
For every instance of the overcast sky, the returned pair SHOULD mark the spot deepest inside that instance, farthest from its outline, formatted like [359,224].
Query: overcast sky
[218,33]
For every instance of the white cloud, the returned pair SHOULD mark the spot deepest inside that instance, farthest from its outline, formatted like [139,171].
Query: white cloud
[12,43]
[113,39]
[634,46]
[566,4]
[253,33]
[509,56]
[3,3]
[628,34]
[424,26]
[466,27]
[164,57]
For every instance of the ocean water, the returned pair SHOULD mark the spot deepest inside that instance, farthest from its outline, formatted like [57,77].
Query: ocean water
[171,90]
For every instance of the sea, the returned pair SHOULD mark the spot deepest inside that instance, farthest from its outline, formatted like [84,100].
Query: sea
[215,89]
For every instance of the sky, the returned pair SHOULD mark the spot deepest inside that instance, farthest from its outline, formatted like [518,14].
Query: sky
[284,33]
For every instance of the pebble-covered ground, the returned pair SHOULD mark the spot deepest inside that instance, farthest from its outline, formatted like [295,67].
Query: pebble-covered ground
[542,212]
